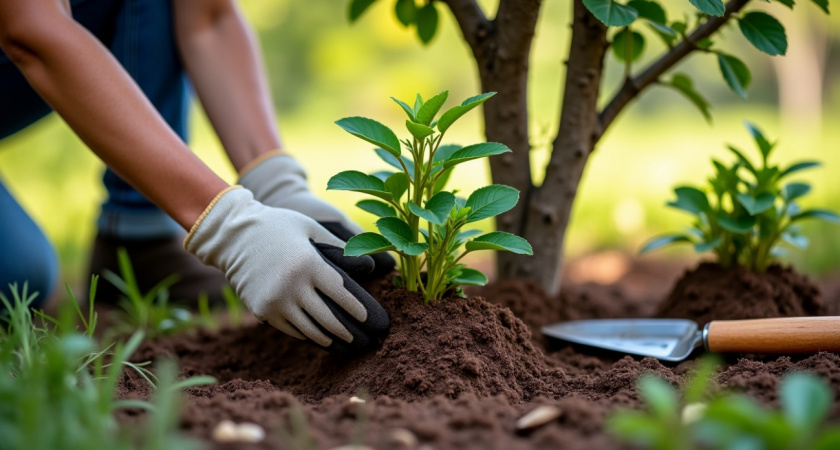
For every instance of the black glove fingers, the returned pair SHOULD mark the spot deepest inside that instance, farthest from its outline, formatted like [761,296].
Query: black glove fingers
[355,266]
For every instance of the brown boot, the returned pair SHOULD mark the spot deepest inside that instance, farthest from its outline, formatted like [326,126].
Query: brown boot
[153,261]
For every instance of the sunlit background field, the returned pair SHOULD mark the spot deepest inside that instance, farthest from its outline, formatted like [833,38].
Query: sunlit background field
[322,68]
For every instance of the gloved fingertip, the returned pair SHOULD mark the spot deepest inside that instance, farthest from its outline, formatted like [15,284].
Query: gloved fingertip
[353,265]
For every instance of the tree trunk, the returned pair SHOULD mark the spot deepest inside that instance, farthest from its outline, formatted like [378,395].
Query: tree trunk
[548,208]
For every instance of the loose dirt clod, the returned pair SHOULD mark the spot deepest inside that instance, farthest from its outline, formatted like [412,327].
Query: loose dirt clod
[538,417]
[711,292]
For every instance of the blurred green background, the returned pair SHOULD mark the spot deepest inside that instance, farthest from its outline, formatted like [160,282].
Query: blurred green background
[322,68]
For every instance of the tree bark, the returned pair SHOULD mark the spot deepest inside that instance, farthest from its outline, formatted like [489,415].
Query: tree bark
[502,48]
[550,205]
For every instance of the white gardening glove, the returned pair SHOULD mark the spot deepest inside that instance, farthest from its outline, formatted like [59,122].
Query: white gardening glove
[278,180]
[289,271]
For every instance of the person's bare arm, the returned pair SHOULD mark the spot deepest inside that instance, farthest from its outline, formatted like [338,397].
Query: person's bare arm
[222,58]
[83,82]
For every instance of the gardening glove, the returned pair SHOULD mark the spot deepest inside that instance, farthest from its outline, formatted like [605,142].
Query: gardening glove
[277,180]
[289,271]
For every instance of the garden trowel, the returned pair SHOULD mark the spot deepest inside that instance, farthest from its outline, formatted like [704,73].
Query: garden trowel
[676,339]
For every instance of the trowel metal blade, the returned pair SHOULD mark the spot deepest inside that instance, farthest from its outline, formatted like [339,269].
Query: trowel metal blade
[665,339]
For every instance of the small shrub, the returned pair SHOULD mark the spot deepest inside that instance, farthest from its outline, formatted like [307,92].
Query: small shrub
[746,210]
[415,193]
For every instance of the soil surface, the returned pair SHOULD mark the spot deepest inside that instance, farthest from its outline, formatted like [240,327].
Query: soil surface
[458,374]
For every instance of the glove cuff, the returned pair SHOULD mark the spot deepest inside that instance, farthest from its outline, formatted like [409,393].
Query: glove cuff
[201,219]
[259,160]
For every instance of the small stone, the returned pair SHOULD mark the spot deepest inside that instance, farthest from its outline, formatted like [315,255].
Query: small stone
[355,399]
[225,431]
[249,432]
[693,412]
[402,438]
[538,417]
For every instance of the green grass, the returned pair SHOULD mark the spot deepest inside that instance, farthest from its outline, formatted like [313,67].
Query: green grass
[58,384]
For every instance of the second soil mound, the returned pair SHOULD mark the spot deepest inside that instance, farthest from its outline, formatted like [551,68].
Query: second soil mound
[450,348]
[711,292]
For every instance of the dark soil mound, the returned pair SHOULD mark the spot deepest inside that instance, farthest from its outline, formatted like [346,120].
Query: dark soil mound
[449,348]
[711,292]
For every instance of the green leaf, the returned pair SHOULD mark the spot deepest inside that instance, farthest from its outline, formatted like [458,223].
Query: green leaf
[352,180]
[437,209]
[703,247]
[377,208]
[743,159]
[611,13]
[710,7]
[668,34]
[469,277]
[357,8]
[405,108]
[679,26]
[418,102]
[475,151]
[406,11]
[491,201]
[466,234]
[764,146]
[662,241]
[397,184]
[454,113]
[628,45]
[394,162]
[805,401]
[735,72]
[444,152]
[659,396]
[792,191]
[764,32]
[740,225]
[636,428]
[399,233]
[373,132]
[419,131]
[427,22]
[823,5]
[443,178]
[649,10]
[684,85]
[431,107]
[499,240]
[788,3]
[796,240]
[822,214]
[690,199]
[758,204]
[366,244]
[799,166]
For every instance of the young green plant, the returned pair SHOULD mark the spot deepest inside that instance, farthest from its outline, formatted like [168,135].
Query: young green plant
[414,196]
[746,210]
[728,421]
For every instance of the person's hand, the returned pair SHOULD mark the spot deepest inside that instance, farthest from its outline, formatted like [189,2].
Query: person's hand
[278,180]
[289,271]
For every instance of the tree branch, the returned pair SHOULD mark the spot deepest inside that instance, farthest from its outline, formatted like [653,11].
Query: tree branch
[634,86]
[471,20]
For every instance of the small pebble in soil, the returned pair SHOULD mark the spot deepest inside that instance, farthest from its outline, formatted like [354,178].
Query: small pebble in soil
[355,399]
[402,439]
[693,412]
[225,431]
[538,417]
[250,432]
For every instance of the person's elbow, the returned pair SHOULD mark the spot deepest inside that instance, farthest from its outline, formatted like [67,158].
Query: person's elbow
[29,33]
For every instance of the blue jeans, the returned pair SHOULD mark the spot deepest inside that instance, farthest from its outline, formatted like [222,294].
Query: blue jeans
[140,34]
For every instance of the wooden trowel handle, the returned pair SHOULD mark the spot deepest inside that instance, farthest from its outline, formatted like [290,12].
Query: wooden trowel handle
[784,335]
